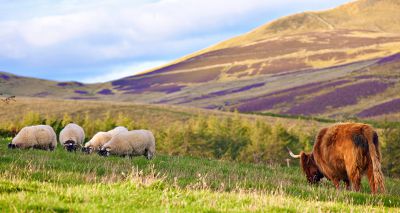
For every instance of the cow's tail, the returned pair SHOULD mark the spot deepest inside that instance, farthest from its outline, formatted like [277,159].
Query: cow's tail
[375,154]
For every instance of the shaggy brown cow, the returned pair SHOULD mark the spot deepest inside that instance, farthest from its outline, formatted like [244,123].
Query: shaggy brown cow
[345,152]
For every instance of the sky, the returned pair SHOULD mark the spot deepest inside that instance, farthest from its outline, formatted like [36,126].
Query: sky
[97,40]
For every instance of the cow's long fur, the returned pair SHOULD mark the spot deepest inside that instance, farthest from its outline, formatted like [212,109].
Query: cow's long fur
[345,152]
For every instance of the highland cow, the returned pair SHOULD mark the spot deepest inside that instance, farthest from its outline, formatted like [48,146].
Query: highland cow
[345,152]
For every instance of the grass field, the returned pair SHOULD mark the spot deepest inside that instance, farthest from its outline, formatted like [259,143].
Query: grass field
[35,180]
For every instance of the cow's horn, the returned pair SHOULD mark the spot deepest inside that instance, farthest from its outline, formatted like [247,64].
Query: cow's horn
[291,154]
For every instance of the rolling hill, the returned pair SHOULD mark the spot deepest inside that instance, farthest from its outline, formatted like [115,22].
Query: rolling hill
[342,62]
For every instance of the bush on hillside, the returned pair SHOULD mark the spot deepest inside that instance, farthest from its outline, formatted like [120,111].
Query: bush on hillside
[390,141]
[231,138]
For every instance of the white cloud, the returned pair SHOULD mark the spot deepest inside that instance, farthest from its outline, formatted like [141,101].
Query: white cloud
[57,35]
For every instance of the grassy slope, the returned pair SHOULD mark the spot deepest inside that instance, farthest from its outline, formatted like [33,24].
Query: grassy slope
[34,180]
[369,15]
[158,116]
[11,84]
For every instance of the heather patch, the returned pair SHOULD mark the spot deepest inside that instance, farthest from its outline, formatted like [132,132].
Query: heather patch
[381,109]
[340,97]
[81,92]
[105,92]
[70,84]
[4,76]
[241,89]
[395,57]
[270,100]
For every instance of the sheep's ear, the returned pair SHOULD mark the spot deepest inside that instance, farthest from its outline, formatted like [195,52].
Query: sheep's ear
[108,149]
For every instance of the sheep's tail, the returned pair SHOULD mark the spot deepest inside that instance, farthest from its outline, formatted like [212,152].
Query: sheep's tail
[375,154]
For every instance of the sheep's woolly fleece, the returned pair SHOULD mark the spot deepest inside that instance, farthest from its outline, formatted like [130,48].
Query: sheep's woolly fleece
[132,143]
[39,136]
[98,140]
[72,132]
[117,130]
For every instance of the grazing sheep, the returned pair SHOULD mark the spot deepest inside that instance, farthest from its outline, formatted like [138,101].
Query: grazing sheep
[72,136]
[37,137]
[98,140]
[117,130]
[131,143]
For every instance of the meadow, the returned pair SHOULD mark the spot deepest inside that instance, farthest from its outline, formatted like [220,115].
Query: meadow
[35,180]
[206,161]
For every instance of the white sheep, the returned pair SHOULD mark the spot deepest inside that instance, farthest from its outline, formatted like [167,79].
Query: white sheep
[98,140]
[37,137]
[131,143]
[72,136]
[117,130]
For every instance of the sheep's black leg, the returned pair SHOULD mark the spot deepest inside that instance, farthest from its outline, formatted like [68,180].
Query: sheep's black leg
[148,155]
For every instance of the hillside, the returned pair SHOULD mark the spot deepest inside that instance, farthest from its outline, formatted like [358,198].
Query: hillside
[202,163]
[11,84]
[34,180]
[346,58]
[159,116]
[363,15]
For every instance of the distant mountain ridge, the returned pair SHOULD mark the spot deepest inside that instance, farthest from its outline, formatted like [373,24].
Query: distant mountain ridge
[365,15]
[346,58]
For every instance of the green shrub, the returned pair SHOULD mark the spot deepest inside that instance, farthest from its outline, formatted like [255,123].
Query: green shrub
[390,141]
[231,138]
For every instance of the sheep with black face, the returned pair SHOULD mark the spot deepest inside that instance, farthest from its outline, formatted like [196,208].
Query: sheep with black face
[100,138]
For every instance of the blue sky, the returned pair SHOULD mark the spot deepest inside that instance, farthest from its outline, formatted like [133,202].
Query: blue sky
[99,40]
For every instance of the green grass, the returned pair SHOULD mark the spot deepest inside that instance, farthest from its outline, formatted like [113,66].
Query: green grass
[35,180]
